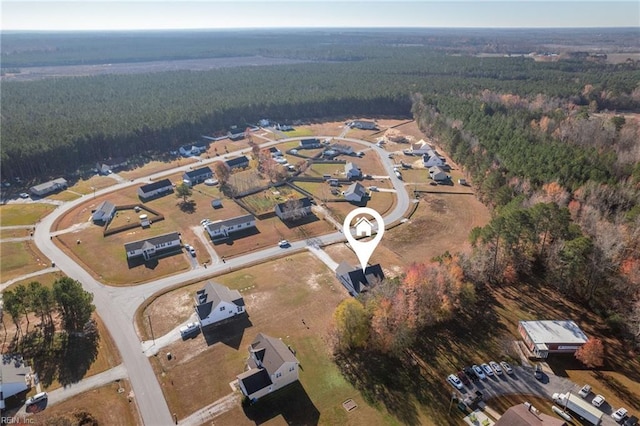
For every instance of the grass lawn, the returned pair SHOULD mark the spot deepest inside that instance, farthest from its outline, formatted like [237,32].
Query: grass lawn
[321,190]
[300,132]
[265,201]
[19,258]
[503,403]
[15,233]
[97,181]
[278,295]
[155,167]
[23,214]
[320,169]
[46,280]
[382,202]
[107,405]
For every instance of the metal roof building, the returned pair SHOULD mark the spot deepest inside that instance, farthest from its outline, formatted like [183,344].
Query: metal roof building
[553,336]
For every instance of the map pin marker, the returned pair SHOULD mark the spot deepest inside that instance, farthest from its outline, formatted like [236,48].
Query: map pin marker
[363,227]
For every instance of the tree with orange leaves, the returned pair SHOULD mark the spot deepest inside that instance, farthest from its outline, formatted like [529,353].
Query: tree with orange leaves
[591,353]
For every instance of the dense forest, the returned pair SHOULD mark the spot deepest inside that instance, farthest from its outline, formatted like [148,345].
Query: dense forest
[552,146]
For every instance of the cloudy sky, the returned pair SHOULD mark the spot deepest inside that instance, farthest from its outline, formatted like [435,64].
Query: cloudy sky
[176,14]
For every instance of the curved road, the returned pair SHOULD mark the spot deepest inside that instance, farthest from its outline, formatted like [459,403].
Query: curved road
[117,305]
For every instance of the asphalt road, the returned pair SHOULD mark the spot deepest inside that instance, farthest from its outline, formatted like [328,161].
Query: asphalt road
[117,305]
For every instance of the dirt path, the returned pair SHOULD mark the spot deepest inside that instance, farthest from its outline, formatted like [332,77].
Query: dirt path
[208,413]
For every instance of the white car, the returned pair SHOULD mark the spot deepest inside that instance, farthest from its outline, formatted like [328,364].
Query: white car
[455,382]
[585,391]
[496,367]
[479,372]
[284,243]
[203,222]
[487,370]
[619,414]
[37,398]
[373,188]
[186,330]
[598,400]
[24,195]
[506,367]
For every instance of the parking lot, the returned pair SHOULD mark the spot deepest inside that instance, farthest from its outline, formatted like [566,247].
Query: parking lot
[523,381]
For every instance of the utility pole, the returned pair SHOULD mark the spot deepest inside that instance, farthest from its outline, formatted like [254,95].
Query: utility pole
[151,328]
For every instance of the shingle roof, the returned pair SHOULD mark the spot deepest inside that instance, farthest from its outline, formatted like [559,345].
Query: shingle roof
[105,208]
[237,161]
[357,277]
[255,379]
[136,245]
[520,415]
[356,188]
[212,294]
[313,141]
[213,226]
[273,352]
[199,172]
[350,167]
[156,185]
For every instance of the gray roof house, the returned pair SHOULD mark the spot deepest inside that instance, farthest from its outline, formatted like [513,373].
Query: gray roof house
[355,192]
[216,303]
[342,149]
[103,213]
[352,171]
[15,377]
[49,187]
[155,189]
[310,143]
[271,366]
[222,229]
[152,247]
[438,174]
[363,125]
[356,281]
[196,176]
[236,133]
[294,209]
[107,166]
[239,162]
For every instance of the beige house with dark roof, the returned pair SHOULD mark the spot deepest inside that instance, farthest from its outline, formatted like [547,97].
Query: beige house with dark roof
[272,366]
[15,377]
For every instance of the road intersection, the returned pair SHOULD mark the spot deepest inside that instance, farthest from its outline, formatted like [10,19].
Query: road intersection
[117,306]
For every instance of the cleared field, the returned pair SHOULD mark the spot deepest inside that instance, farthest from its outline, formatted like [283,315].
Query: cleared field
[46,280]
[266,201]
[442,222]
[106,404]
[278,296]
[155,167]
[382,202]
[23,214]
[96,182]
[19,258]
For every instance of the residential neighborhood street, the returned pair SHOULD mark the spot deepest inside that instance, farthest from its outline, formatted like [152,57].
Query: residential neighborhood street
[117,305]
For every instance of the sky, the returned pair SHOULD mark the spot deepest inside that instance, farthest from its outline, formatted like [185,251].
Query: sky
[223,14]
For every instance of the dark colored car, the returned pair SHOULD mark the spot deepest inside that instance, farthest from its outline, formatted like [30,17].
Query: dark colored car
[470,373]
[463,378]
[631,421]
[538,372]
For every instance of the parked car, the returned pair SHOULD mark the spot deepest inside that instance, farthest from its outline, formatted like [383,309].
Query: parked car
[455,382]
[373,188]
[470,373]
[598,400]
[506,367]
[631,421]
[538,372]
[284,243]
[619,414]
[585,391]
[188,329]
[479,372]
[487,370]
[496,367]
[37,398]
[464,378]
[24,195]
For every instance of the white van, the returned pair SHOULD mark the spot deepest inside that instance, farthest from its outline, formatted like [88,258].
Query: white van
[37,398]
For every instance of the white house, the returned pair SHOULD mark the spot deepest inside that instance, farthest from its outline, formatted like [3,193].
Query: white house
[271,366]
[352,171]
[363,227]
[356,281]
[293,209]
[363,125]
[355,192]
[49,187]
[433,160]
[155,189]
[221,229]
[15,377]
[153,246]
[215,303]
[342,149]
[104,212]
[193,177]
[421,148]
[107,166]
[236,133]
[438,174]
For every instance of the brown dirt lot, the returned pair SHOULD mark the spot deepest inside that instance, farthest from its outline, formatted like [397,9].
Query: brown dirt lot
[19,258]
[442,222]
[155,167]
[382,202]
[106,405]
[278,296]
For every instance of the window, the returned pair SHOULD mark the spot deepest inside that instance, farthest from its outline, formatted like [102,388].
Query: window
[278,374]
[292,368]
[239,308]
[222,308]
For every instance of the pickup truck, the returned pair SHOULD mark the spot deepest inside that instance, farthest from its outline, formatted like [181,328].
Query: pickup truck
[585,391]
